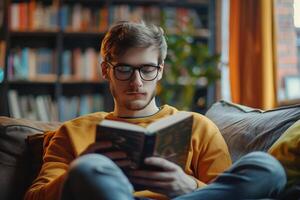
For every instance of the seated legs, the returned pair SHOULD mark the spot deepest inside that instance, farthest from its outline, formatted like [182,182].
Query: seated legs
[255,176]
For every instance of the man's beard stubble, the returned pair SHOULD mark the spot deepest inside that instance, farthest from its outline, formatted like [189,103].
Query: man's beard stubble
[128,104]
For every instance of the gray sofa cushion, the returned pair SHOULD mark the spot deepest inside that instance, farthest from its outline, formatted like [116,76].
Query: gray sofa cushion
[15,160]
[246,129]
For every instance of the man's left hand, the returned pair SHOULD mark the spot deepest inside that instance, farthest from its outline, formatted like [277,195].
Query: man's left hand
[171,180]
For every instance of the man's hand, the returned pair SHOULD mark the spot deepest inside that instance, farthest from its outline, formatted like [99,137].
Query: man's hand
[171,180]
[105,148]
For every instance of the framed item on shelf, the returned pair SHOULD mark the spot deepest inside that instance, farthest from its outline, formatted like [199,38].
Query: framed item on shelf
[292,87]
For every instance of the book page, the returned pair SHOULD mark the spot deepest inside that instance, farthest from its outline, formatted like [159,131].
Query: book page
[166,122]
[172,143]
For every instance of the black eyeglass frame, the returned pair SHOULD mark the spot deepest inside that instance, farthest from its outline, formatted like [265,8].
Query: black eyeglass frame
[158,67]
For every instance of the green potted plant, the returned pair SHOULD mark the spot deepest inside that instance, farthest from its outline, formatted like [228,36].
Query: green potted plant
[188,66]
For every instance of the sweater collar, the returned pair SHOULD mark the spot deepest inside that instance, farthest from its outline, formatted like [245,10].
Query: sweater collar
[164,111]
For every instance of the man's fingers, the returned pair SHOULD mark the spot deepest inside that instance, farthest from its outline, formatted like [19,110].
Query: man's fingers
[153,175]
[150,183]
[123,163]
[114,155]
[161,163]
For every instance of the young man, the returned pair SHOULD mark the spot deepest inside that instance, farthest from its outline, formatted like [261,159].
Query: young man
[133,61]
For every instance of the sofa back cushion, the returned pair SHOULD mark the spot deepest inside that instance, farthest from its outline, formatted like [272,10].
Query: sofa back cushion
[15,159]
[247,129]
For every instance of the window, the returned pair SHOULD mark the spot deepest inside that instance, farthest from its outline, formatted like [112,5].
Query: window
[288,49]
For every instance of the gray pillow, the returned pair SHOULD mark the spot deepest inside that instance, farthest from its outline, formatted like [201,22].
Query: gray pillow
[247,129]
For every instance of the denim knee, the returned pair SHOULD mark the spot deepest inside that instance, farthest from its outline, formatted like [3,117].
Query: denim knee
[265,162]
[98,169]
[271,164]
[96,162]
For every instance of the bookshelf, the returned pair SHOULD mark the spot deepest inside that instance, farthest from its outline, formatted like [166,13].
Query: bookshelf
[52,50]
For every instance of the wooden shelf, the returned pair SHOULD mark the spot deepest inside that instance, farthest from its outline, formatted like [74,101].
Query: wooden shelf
[40,78]
[187,4]
[54,80]
[83,33]
[175,3]
[87,2]
[34,33]
[80,81]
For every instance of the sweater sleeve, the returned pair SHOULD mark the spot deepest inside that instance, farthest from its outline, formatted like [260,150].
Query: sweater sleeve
[209,155]
[57,158]
[67,143]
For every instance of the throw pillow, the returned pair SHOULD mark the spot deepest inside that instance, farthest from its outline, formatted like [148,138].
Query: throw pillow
[247,129]
[287,150]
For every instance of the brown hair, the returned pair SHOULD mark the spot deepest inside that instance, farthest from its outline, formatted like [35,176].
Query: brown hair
[125,35]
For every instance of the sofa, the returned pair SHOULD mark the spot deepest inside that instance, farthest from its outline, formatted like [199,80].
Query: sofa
[244,129]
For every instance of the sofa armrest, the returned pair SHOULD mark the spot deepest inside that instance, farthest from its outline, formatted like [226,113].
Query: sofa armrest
[15,162]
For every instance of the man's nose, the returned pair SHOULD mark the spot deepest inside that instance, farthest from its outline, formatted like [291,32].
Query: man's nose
[136,79]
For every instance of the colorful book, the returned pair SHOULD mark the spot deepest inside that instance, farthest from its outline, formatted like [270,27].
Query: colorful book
[168,138]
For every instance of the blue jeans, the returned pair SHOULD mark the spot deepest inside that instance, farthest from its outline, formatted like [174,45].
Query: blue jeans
[255,176]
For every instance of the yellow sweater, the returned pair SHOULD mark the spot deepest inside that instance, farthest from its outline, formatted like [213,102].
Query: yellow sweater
[287,150]
[208,155]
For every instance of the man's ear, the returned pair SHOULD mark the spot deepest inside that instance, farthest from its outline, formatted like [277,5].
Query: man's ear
[105,71]
[160,72]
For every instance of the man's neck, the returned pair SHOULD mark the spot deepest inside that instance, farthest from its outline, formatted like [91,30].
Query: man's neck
[149,110]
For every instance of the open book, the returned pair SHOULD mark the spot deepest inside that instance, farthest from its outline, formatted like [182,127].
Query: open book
[168,138]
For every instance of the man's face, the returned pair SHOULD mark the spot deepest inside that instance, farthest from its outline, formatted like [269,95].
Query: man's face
[133,94]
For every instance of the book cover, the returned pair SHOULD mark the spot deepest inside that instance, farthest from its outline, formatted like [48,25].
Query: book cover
[168,138]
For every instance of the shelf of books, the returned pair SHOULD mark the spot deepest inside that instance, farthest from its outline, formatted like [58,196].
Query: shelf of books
[32,64]
[82,16]
[52,50]
[80,64]
[45,108]
[80,105]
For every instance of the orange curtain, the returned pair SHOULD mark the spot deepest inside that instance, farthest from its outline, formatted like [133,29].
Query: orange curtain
[252,53]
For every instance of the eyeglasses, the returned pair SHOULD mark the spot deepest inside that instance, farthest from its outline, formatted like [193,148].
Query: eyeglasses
[124,72]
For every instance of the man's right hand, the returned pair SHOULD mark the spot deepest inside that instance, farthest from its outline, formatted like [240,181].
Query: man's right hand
[105,148]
